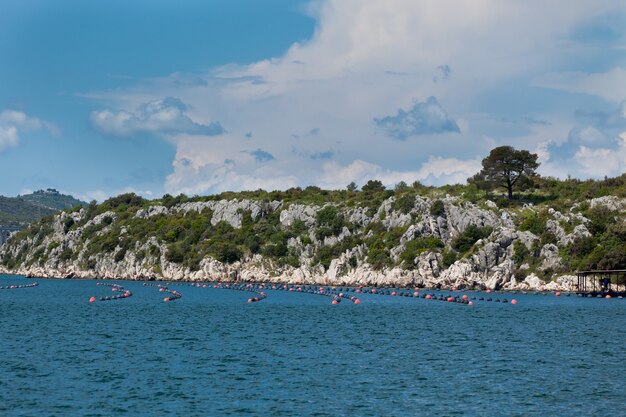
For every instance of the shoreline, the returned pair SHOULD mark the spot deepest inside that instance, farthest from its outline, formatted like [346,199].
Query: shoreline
[285,282]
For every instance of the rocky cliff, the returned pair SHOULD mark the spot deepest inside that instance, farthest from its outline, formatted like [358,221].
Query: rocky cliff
[425,241]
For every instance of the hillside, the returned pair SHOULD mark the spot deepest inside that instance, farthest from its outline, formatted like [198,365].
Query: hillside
[23,209]
[409,236]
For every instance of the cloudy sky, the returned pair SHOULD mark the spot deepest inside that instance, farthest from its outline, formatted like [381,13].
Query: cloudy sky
[102,97]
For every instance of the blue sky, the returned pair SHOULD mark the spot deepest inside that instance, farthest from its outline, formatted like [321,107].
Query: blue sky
[103,97]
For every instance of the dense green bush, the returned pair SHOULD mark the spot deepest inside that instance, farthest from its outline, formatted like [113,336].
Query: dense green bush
[405,203]
[533,222]
[472,234]
[437,208]
[414,247]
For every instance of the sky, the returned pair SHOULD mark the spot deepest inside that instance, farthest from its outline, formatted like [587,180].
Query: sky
[198,97]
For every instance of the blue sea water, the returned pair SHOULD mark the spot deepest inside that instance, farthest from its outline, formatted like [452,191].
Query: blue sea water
[211,353]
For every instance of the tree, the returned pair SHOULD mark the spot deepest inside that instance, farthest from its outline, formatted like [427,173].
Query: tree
[401,186]
[505,167]
[373,186]
[352,186]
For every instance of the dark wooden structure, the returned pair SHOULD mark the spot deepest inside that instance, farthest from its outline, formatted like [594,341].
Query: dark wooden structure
[602,283]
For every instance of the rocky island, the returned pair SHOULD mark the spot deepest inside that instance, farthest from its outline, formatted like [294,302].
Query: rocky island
[410,236]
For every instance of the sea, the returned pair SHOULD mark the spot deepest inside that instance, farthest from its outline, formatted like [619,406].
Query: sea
[213,353]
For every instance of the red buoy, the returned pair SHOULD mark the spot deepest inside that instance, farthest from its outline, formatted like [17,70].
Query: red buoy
[249,300]
[608,297]
[514,301]
[450,299]
[358,290]
[373,290]
[558,293]
[470,303]
[429,297]
[92,300]
[393,293]
[415,294]
[357,301]
[166,299]
[335,302]
[465,296]
[488,291]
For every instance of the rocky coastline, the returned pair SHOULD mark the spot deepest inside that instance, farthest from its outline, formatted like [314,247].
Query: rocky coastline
[491,264]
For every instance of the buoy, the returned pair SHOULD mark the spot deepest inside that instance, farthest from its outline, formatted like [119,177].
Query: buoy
[428,297]
[249,300]
[373,290]
[166,299]
[357,301]
[470,303]
[358,290]
[465,296]
[608,297]
[558,293]
[335,302]
[450,299]
[488,291]
[393,293]
[416,294]
[92,300]
[514,301]
[453,288]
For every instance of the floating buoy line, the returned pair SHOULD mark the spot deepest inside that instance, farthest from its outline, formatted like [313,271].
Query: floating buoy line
[115,288]
[253,288]
[339,294]
[336,294]
[16,287]
[175,295]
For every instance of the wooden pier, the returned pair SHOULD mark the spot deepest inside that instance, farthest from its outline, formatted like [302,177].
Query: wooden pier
[600,283]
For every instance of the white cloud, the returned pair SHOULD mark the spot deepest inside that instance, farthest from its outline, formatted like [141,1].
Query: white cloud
[166,116]
[13,123]
[440,171]
[423,118]
[436,171]
[101,195]
[8,137]
[365,60]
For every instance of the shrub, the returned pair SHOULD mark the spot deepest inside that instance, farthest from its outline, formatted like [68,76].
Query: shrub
[534,223]
[404,203]
[520,252]
[448,258]
[373,186]
[437,208]
[414,247]
[226,252]
[469,237]
[65,255]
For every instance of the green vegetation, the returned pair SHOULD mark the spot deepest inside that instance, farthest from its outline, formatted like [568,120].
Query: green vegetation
[186,238]
[23,209]
[422,244]
[507,167]
[466,240]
